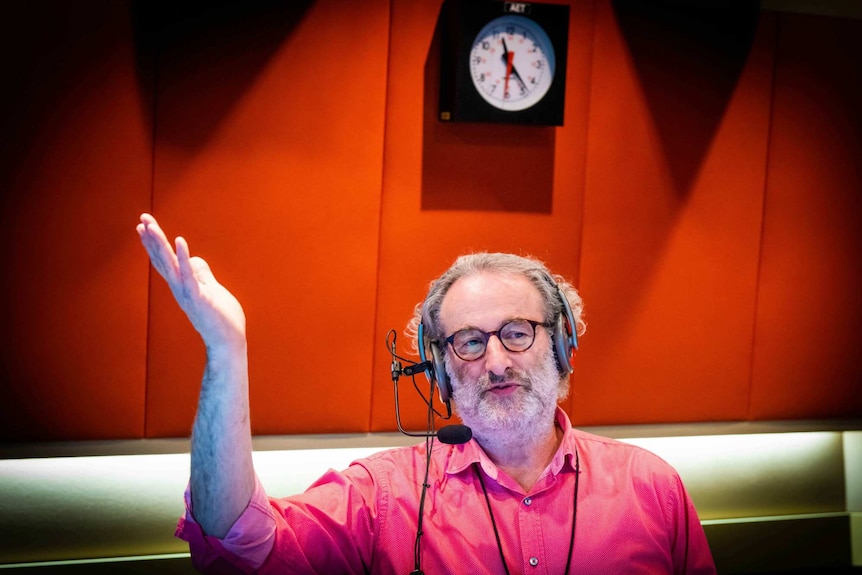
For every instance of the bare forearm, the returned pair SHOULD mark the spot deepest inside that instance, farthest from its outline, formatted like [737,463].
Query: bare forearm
[222,476]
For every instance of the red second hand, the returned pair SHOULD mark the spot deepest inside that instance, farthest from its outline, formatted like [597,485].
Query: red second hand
[509,58]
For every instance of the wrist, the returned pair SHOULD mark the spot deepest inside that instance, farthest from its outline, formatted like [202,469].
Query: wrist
[227,352]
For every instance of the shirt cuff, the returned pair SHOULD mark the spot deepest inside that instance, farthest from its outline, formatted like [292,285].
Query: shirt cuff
[250,538]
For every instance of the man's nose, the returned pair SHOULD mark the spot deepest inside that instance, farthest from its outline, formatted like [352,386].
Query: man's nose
[497,358]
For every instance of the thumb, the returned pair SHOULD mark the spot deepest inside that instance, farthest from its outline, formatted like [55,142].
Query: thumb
[202,271]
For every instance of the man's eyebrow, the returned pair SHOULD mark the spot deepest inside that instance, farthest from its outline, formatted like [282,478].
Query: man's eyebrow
[504,322]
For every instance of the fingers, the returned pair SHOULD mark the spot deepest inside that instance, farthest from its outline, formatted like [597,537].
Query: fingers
[187,276]
[158,248]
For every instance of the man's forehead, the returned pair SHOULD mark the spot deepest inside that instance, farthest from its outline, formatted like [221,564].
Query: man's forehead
[486,299]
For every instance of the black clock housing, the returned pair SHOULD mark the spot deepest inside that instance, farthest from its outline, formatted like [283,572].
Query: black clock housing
[461,21]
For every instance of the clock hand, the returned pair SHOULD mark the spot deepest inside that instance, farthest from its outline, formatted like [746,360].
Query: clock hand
[519,79]
[508,57]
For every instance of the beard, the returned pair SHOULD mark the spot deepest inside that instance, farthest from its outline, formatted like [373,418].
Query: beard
[516,417]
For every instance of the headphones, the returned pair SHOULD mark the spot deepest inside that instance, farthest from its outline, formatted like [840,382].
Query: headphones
[564,340]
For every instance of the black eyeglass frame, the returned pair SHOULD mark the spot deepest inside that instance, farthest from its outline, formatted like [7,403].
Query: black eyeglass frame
[487,337]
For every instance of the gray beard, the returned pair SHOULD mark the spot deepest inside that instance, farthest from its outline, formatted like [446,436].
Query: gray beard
[515,420]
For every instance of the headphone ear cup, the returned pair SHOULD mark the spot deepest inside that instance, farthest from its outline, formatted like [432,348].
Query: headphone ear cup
[439,373]
[562,349]
[565,339]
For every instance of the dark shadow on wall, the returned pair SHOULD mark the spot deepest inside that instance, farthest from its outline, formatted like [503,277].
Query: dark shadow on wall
[186,49]
[689,57]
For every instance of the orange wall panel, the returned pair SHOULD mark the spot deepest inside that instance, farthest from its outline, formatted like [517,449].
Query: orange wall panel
[75,168]
[268,158]
[806,347]
[672,219]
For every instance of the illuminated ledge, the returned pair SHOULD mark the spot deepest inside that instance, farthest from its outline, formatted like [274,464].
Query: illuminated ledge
[385,439]
[766,499]
[89,564]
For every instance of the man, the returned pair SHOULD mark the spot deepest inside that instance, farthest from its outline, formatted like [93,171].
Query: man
[528,494]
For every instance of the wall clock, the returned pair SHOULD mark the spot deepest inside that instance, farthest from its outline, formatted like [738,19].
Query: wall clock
[503,62]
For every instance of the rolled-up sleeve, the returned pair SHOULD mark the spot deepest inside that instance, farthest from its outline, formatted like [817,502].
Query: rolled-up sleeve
[246,545]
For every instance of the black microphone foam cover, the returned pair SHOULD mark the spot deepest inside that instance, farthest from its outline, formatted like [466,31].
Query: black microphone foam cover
[454,434]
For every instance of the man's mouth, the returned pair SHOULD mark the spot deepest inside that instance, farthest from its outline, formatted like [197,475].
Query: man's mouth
[503,388]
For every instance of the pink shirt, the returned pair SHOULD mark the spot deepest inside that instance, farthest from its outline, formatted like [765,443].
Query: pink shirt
[633,516]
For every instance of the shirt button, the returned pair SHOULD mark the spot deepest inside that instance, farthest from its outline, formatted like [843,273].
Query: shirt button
[528,501]
[534,561]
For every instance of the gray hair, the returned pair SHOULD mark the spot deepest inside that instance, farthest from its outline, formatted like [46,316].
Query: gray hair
[428,312]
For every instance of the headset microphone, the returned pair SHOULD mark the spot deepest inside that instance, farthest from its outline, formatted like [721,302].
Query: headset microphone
[450,434]
[416,368]
[454,434]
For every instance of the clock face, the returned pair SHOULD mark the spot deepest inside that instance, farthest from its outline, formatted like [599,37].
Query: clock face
[512,63]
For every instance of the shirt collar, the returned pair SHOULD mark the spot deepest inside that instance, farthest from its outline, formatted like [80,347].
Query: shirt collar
[463,456]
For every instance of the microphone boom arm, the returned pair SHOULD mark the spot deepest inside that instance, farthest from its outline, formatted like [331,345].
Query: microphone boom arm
[452,434]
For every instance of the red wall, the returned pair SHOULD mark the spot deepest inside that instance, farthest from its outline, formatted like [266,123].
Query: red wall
[76,162]
[704,194]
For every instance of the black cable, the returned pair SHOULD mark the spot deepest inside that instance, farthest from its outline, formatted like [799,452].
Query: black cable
[491,513]
[397,371]
[429,446]
[574,514]
[417,545]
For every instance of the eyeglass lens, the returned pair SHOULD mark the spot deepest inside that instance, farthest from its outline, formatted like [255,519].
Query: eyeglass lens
[516,335]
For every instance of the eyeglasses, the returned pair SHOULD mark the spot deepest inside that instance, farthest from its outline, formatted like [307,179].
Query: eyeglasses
[516,335]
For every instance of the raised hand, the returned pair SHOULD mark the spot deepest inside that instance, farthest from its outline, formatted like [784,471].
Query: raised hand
[213,311]
[222,473]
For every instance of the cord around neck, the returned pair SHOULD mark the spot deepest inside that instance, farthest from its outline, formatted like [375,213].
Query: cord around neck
[574,514]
